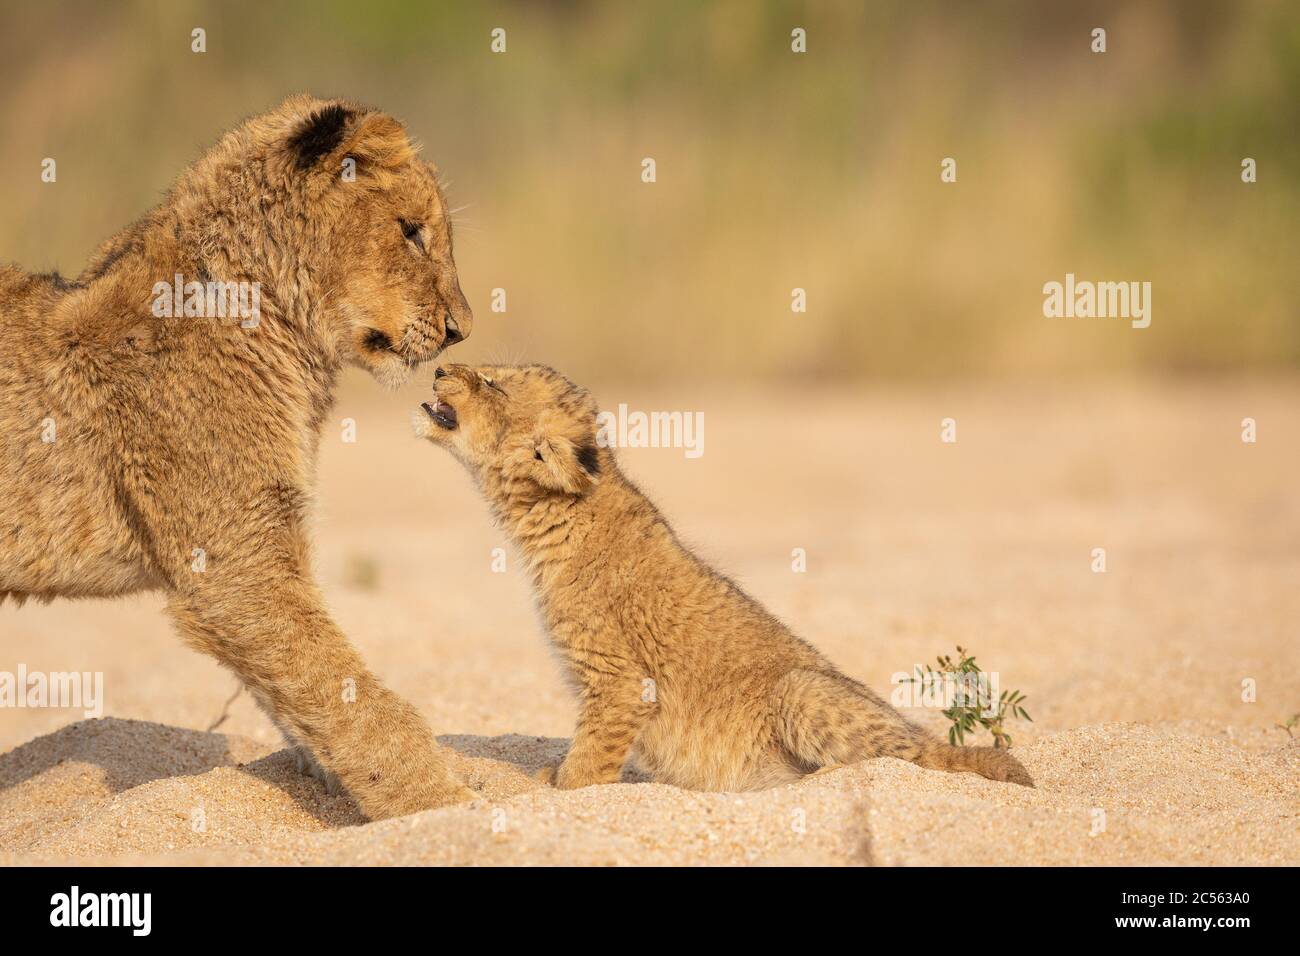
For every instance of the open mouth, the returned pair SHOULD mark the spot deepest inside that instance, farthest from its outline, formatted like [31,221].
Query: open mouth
[442,413]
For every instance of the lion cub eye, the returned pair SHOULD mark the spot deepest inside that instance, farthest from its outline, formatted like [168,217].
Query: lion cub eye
[411,230]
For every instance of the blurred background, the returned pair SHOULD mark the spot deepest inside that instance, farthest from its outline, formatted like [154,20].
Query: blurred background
[774,170]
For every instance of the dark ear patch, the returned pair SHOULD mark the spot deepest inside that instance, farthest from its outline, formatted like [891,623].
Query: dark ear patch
[589,459]
[320,135]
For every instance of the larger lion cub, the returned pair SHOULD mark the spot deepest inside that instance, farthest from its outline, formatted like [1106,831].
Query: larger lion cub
[161,414]
[671,660]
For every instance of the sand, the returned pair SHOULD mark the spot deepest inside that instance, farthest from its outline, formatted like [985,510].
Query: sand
[1144,750]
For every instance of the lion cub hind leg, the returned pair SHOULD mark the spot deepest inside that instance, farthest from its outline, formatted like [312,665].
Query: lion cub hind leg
[824,719]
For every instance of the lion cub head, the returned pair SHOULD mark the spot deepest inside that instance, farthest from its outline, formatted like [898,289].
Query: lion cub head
[527,427]
[372,221]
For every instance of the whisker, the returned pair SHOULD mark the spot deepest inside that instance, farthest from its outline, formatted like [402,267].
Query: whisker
[508,355]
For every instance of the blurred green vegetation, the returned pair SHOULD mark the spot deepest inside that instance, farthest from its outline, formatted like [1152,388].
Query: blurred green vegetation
[775,170]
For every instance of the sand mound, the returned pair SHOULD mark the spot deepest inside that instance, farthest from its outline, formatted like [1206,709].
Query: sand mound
[129,791]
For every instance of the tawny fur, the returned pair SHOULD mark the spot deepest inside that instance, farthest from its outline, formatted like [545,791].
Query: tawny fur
[672,662]
[175,435]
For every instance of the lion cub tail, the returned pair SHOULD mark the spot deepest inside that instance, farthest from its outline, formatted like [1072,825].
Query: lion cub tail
[824,719]
[991,762]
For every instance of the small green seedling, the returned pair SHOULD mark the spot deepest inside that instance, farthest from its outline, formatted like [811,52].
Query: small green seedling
[972,703]
[1290,725]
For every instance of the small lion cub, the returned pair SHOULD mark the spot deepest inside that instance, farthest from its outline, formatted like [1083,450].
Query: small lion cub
[672,661]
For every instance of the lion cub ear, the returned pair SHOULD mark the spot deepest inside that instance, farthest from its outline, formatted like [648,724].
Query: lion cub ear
[374,140]
[564,465]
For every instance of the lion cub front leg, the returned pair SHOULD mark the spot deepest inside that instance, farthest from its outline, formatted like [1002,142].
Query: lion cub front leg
[613,716]
[273,632]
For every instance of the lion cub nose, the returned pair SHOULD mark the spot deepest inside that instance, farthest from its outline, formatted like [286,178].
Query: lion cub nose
[439,372]
[453,334]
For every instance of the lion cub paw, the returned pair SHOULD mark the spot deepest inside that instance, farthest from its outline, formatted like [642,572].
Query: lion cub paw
[547,775]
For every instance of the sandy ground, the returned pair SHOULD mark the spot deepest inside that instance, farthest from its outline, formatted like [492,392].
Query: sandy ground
[1142,745]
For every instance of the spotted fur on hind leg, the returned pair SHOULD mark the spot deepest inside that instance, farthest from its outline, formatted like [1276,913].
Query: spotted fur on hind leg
[826,720]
